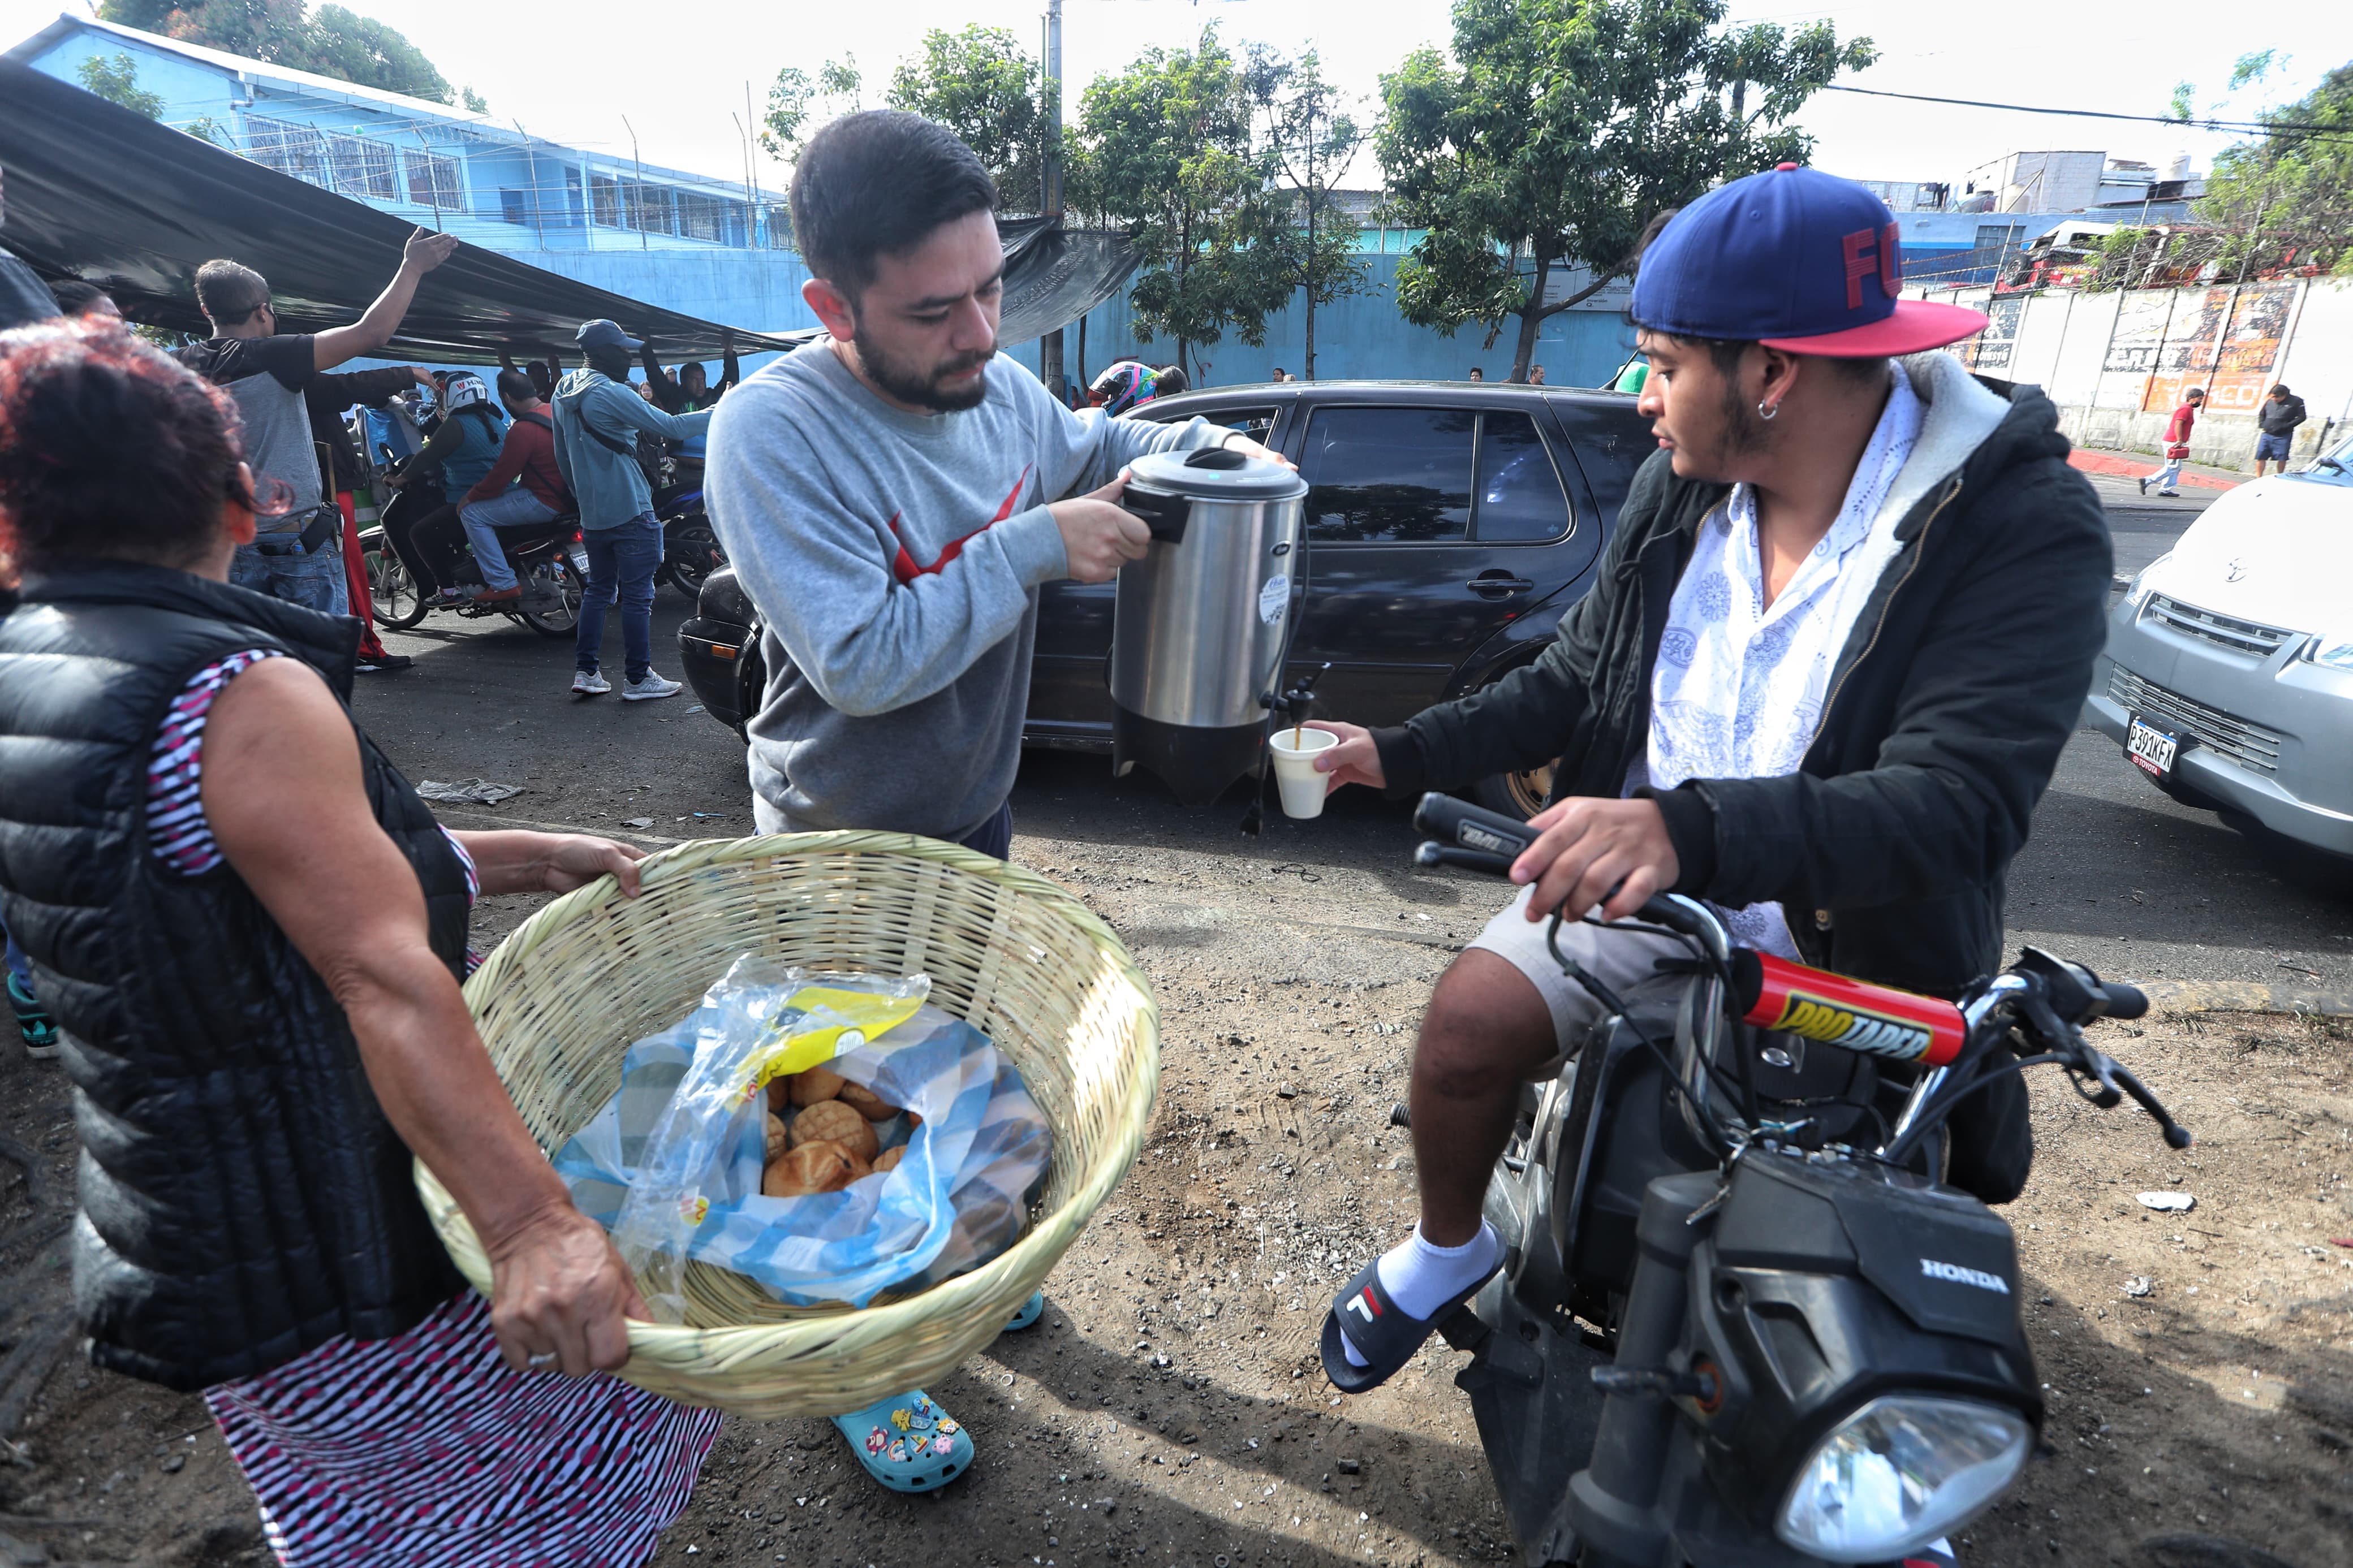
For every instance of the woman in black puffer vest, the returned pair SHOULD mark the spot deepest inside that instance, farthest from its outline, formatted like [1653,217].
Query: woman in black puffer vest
[251,932]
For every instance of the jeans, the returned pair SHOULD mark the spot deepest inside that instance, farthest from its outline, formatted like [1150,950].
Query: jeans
[483,519]
[277,566]
[994,837]
[2169,476]
[621,564]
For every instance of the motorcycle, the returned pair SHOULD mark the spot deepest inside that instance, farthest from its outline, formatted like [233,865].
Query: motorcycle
[1740,1323]
[549,561]
[690,548]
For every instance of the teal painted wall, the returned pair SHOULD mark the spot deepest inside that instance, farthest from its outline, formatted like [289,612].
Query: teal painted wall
[1363,337]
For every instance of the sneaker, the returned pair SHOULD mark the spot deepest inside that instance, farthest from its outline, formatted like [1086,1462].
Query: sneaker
[371,665]
[650,689]
[2175,494]
[2144,484]
[590,683]
[34,1025]
[499,596]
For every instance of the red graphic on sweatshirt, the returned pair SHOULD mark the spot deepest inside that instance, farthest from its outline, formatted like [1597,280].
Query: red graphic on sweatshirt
[904,567]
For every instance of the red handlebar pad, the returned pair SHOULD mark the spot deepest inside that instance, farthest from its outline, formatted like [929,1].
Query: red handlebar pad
[1852,1014]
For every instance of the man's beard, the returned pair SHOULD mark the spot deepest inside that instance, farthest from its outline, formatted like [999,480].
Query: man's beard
[904,381]
[1744,432]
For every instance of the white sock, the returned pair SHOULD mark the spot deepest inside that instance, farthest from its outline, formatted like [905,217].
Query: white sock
[1421,1278]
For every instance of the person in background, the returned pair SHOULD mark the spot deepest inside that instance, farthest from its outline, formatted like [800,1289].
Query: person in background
[460,452]
[1536,376]
[596,423]
[75,298]
[1168,380]
[894,496]
[522,487]
[689,392]
[253,933]
[24,298]
[1633,377]
[296,555]
[1478,374]
[2177,442]
[326,398]
[543,372]
[2276,424]
[1281,375]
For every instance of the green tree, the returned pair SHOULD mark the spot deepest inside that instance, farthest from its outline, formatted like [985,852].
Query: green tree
[984,86]
[1306,139]
[1165,151]
[1555,132]
[117,81]
[799,105]
[333,42]
[2286,199]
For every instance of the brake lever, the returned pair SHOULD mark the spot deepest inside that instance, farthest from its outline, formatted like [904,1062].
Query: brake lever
[1432,853]
[2176,1135]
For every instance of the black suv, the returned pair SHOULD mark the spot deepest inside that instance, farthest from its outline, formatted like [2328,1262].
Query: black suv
[1450,524]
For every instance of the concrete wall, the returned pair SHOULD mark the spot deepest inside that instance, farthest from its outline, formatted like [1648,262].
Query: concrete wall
[2117,362]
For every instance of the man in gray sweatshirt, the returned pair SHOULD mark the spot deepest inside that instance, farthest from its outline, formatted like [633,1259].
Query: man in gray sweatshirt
[893,495]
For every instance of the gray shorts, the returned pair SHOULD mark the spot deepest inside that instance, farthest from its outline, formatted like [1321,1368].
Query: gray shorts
[1622,960]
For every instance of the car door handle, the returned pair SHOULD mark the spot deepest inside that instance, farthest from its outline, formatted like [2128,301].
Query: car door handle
[1498,584]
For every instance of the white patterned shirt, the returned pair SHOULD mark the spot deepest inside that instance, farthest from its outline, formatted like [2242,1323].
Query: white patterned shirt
[1738,688]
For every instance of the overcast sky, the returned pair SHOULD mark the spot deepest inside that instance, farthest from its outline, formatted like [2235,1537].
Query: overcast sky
[677,70]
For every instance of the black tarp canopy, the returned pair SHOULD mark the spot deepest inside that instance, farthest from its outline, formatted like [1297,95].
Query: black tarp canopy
[97,192]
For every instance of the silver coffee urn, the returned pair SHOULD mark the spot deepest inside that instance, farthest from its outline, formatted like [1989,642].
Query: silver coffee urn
[1201,623]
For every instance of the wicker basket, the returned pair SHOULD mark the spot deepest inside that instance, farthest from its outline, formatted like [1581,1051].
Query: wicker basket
[1023,961]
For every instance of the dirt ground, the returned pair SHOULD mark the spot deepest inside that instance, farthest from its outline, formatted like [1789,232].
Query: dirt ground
[1168,1409]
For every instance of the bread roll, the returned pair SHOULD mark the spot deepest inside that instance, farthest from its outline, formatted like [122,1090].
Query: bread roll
[816,1166]
[888,1159]
[814,1087]
[831,1122]
[867,1103]
[780,1094]
[779,1139]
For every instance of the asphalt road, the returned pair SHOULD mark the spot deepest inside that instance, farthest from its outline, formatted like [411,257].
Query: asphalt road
[2115,873]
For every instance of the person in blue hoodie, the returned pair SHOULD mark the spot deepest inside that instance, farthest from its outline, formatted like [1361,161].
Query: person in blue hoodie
[597,417]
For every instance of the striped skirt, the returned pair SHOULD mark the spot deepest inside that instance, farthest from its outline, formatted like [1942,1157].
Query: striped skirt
[428,1451]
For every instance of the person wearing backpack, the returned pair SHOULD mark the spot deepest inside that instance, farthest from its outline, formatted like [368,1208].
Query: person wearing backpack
[597,417]
[523,485]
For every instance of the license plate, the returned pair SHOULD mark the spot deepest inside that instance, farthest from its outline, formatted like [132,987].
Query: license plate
[2150,748]
[580,564]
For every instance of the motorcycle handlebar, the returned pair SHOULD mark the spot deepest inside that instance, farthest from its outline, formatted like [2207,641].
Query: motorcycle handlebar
[2124,1002]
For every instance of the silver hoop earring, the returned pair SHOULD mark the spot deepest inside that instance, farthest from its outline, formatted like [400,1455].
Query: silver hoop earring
[1768,410]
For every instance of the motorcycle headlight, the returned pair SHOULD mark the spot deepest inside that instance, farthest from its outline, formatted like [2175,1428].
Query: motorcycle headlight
[1899,1473]
[2332,650]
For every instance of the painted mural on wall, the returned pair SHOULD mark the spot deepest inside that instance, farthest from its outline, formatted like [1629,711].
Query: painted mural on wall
[1992,351]
[2224,339]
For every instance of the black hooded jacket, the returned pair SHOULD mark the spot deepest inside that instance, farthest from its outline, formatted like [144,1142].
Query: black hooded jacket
[1944,719]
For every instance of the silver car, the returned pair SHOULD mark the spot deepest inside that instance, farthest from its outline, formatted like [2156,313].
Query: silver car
[2228,678]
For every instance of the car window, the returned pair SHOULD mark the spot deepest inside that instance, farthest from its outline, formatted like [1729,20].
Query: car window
[1520,498]
[1253,423]
[1389,476]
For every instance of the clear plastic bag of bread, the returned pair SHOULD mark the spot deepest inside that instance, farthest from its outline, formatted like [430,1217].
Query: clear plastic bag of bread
[895,1151]
[762,1022]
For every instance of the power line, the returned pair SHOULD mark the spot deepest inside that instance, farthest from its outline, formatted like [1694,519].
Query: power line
[2333,133]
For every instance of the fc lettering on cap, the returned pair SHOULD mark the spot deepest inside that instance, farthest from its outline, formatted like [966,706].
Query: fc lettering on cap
[1873,250]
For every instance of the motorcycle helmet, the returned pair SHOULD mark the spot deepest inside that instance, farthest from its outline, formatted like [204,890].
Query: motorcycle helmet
[463,389]
[1122,387]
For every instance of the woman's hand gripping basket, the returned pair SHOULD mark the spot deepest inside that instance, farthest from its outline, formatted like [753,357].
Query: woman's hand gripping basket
[1015,955]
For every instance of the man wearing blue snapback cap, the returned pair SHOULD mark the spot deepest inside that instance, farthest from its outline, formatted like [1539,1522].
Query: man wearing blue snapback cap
[1835,647]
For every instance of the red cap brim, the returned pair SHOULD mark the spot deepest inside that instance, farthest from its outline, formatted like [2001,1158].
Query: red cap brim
[1916,324]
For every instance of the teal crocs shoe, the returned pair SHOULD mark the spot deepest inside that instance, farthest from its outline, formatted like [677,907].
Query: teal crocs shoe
[34,1025]
[1031,1310]
[908,1443]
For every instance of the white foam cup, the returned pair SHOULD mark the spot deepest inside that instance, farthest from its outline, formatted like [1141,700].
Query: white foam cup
[1302,786]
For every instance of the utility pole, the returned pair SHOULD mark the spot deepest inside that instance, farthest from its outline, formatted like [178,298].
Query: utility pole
[531,161]
[1050,187]
[752,161]
[636,209]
